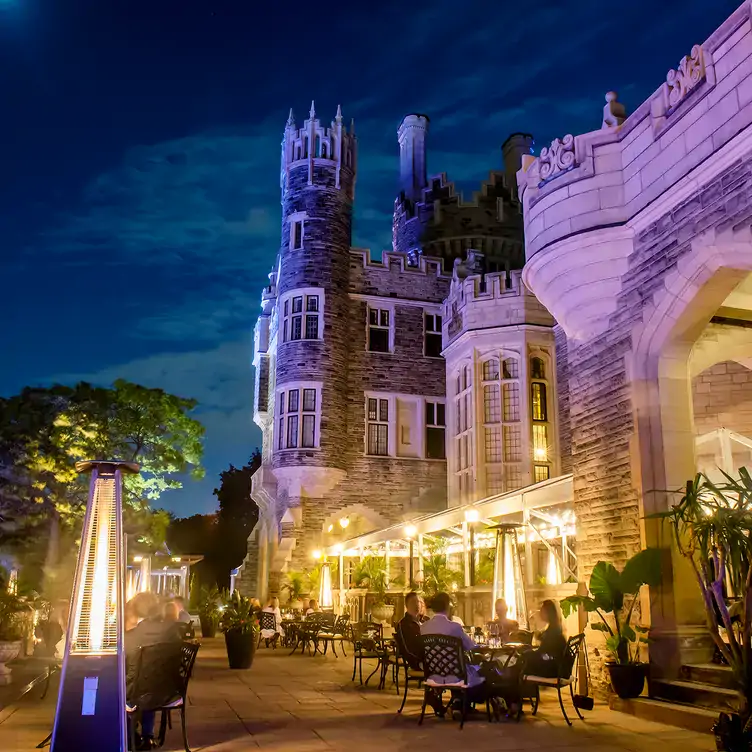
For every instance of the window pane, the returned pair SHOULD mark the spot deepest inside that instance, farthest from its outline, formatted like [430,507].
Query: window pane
[510,368]
[511,402]
[297,239]
[312,327]
[433,345]
[537,369]
[284,331]
[493,444]
[430,413]
[296,327]
[293,399]
[428,322]
[281,431]
[378,340]
[541,472]
[491,370]
[540,443]
[384,318]
[281,403]
[287,307]
[435,443]
[309,424]
[371,409]
[378,439]
[438,323]
[373,316]
[538,399]
[312,303]
[494,479]
[440,421]
[384,410]
[297,304]
[292,431]
[512,444]
[309,400]
[491,403]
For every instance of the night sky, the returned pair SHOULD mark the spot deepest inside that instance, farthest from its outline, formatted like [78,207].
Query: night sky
[139,154]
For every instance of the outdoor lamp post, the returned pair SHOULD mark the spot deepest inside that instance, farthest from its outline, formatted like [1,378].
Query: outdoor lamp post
[410,532]
[91,700]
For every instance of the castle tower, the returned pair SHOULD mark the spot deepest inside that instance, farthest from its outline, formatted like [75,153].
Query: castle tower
[512,151]
[307,402]
[411,136]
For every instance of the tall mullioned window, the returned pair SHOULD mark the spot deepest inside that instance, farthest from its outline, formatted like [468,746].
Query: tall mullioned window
[377,426]
[301,315]
[432,334]
[296,234]
[502,430]
[463,432]
[539,415]
[435,430]
[380,328]
[298,416]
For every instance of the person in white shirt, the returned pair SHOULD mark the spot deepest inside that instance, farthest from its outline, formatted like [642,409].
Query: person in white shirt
[273,608]
[441,624]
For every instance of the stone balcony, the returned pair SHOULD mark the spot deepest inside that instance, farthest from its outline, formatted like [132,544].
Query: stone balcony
[586,197]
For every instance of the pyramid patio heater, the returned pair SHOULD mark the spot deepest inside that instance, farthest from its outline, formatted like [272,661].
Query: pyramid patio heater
[91,702]
[508,582]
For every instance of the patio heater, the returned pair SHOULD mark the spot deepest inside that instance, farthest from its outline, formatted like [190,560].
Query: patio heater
[508,582]
[326,598]
[410,532]
[91,700]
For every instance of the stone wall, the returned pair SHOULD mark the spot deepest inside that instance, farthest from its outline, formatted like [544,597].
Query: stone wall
[722,398]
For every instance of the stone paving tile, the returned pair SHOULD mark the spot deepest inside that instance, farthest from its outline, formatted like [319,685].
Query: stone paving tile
[303,704]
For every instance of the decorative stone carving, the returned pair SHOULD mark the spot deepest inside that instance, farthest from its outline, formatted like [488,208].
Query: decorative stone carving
[614,113]
[557,158]
[690,72]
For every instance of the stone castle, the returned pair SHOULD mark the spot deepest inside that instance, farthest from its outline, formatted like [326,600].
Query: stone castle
[394,386]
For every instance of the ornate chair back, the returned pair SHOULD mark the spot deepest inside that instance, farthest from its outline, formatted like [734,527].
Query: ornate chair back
[444,656]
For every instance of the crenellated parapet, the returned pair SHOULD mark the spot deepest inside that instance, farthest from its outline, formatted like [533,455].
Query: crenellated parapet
[479,300]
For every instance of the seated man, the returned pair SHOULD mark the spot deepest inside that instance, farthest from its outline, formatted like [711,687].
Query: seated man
[441,624]
[409,626]
[501,626]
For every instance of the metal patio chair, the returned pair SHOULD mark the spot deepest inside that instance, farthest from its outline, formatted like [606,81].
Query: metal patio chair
[337,633]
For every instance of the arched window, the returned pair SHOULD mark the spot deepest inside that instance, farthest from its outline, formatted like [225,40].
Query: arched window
[537,368]
[317,153]
[463,430]
[490,369]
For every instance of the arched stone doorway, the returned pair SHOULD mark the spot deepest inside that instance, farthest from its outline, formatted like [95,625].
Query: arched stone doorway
[701,317]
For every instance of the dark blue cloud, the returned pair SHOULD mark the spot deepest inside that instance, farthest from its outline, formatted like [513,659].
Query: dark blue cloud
[140,188]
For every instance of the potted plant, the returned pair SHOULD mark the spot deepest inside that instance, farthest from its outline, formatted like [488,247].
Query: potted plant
[208,610]
[295,587]
[712,530]
[613,596]
[240,626]
[438,576]
[370,573]
[11,631]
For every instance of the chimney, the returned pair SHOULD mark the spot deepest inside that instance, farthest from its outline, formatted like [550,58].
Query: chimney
[512,150]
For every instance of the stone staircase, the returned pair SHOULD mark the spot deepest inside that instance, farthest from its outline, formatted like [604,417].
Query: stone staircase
[693,701]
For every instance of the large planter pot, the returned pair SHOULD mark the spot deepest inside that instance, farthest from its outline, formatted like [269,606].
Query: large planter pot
[729,734]
[383,613]
[8,651]
[241,647]
[208,626]
[627,679]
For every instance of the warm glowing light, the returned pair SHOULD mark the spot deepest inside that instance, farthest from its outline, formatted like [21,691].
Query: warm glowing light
[316,554]
[326,599]
[100,582]
[330,528]
[176,558]
[454,586]
[510,587]
[553,575]
[472,515]
[338,548]
[411,531]
[344,522]
[540,454]
[138,558]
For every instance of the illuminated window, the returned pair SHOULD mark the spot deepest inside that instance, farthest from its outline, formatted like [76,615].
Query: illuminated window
[541,472]
[512,444]
[491,403]
[538,401]
[463,438]
[540,442]
[435,430]
[432,334]
[301,315]
[377,426]
[380,328]
[299,416]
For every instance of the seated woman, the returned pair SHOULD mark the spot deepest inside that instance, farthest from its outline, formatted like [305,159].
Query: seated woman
[313,607]
[273,608]
[544,661]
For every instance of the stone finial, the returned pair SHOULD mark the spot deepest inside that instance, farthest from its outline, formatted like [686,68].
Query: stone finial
[338,116]
[290,119]
[614,113]
[312,113]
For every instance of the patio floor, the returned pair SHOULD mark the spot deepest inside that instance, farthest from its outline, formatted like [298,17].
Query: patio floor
[305,704]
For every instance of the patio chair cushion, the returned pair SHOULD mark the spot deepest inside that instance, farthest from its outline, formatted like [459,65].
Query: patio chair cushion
[448,685]
[548,681]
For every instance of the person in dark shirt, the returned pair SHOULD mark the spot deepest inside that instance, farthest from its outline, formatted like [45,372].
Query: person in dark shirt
[409,627]
[544,661]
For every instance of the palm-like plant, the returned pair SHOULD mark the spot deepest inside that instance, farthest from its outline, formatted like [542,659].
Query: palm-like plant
[712,529]
[438,576]
[370,572]
[295,585]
